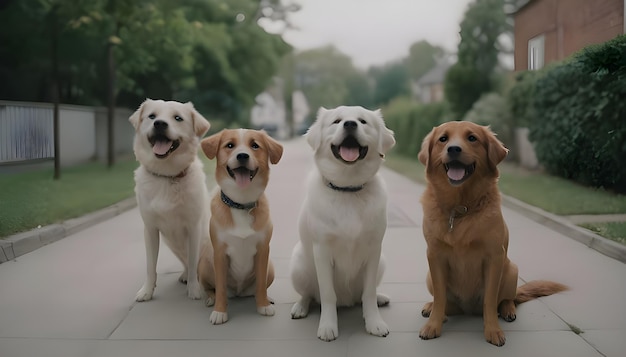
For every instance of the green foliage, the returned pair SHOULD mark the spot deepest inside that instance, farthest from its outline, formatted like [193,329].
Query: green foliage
[211,52]
[422,57]
[412,121]
[520,97]
[492,109]
[391,81]
[328,79]
[473,74]
[578,128]
[463,86]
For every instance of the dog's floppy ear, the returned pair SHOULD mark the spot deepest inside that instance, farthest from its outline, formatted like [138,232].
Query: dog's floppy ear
[135,118]
[386,138]
[211,144]
[424,154]
[200,124]
[274,148]
[314,134]
[496,151]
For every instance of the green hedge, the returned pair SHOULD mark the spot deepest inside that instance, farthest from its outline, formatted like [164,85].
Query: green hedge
[492,109]
[578,123]
[411,121]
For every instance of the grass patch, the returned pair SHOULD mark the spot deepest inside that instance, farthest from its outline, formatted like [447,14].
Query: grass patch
[557,195]
[30,199]
[550,193]
[613,230]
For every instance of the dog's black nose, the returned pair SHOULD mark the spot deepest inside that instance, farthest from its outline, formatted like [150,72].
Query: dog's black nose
[242,157]
[160,125]
[454,151]
[349,125]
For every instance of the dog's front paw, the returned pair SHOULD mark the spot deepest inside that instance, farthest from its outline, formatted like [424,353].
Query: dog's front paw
[299,310]
[495,337]
[266,310]
[144,294]
[194,291]
[327,331]
[183,277]
[430,330]
[376,327]
[218,318]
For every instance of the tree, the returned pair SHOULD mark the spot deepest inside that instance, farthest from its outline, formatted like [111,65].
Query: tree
[483,23]
[422,57]
[328,78]
[391,81]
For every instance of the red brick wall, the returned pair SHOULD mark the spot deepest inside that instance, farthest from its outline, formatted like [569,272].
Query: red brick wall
[568,26]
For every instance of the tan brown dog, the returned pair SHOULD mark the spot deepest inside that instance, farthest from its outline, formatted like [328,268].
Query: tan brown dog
[466,234]
[236,260]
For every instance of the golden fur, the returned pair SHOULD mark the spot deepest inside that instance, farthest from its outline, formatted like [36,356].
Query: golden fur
[236,260]
[465,232]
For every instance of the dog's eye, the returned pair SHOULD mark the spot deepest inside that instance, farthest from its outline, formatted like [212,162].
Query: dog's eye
[230,145]
[337,121]
[362,121]
[443,139]
[178,118]
[255,146]
[471,138]
[152,116]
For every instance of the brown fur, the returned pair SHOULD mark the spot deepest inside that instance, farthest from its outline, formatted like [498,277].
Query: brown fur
[467,251]
[214,270]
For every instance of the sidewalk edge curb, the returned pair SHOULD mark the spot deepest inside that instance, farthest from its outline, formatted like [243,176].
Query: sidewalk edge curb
[19,244]
[602,245]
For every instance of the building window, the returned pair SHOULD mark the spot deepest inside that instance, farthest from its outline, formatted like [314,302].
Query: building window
[535,52]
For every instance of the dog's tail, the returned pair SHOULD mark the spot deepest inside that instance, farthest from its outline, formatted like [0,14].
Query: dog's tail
[537,288]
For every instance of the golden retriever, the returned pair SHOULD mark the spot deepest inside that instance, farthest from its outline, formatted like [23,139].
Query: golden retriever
[465,232]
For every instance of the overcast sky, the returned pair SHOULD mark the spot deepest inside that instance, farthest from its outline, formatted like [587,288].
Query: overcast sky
[374,32]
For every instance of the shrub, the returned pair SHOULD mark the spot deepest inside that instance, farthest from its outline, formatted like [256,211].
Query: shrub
[520,97]
[579,123]
[411,121]
[492,109]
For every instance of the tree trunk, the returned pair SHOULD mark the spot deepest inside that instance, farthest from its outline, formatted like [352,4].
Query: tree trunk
[56,91]
[111,106]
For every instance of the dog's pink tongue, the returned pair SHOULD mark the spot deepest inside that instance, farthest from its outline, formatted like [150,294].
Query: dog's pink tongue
[161,147]
[242,178]
[349,154]
[456,174]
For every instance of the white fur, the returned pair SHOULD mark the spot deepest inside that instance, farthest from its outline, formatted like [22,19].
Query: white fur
[338,260]
[176,209]
[242,243]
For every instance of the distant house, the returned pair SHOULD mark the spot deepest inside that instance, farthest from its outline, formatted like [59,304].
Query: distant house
[429,88]
[551,30]
[269,112]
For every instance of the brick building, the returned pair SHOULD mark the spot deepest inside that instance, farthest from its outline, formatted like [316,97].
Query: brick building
[551,30]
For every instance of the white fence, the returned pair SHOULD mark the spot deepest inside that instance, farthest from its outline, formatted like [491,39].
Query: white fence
[26,133]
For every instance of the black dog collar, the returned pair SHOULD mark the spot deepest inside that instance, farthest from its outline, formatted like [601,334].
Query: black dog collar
[346,188]
[232,204]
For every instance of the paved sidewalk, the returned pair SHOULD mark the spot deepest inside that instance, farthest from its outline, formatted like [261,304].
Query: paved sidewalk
[75,297]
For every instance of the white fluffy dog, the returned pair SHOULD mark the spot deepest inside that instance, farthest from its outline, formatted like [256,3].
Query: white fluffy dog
[170,187]
[343,220]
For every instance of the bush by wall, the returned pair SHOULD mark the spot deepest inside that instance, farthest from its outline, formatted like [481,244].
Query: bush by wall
[412,121]
[579,120]
[492,109]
